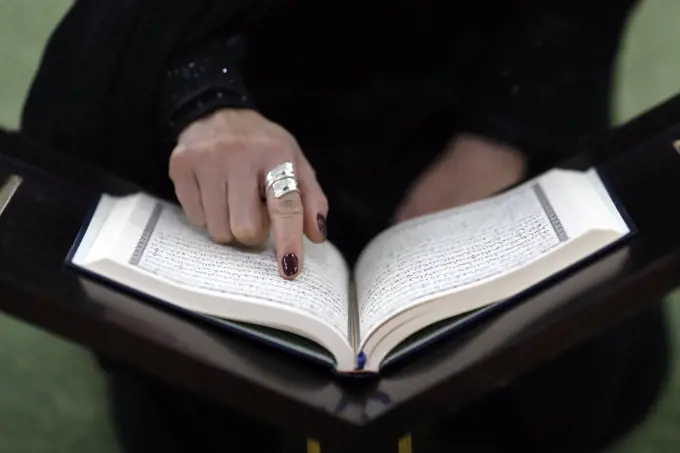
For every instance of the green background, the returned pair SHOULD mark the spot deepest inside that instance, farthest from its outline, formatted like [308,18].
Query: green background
[52,396]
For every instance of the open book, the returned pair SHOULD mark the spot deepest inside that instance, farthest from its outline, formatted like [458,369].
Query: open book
[411,284]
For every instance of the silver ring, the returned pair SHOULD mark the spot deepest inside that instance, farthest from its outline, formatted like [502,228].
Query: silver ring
[284,186]
[282,180]
[284,170]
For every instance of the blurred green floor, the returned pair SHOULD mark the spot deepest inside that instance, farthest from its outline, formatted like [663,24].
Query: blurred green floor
[51,394]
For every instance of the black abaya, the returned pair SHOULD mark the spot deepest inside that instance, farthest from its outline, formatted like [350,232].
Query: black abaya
[357,83]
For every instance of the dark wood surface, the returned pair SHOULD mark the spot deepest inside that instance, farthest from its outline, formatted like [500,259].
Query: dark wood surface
[41,222]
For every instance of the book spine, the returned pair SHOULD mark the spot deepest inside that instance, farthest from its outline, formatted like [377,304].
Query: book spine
[354,328]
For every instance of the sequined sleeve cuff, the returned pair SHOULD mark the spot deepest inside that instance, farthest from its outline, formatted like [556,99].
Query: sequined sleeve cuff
[195,85]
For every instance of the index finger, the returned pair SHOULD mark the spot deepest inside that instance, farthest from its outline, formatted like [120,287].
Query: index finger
[286,216]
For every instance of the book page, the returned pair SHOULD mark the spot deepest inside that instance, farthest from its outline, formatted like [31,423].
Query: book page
[453,249]
[174,250]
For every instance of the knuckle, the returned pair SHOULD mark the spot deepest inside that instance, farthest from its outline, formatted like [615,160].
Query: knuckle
[310,172]
[221,235]
[322,202]
[227,143]
[272,145]
[196,219]
[185,157]
[248,234]
[243,151]
[210,148]
[287,208]
[270,142]
[235,143]
[180,161]
[316,200]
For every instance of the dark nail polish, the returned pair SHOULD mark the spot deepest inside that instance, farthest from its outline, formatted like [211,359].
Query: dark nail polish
[321,223]
[290,264]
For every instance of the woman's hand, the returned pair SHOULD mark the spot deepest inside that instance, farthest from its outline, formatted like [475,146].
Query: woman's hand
[219,168]
[471,168]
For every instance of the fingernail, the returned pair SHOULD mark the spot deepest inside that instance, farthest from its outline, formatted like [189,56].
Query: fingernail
[321,223]
[290,264]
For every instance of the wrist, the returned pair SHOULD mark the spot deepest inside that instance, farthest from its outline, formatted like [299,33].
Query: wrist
[211,102]
[199,83]
[219,116]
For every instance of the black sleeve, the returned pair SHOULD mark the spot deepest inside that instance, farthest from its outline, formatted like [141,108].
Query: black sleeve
[542,78]
[200,81]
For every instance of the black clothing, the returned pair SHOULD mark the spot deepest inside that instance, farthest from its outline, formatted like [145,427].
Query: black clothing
[357,83]
[95,94]
[363,86]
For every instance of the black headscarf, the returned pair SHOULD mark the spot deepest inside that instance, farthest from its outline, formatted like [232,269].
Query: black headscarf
[94,94]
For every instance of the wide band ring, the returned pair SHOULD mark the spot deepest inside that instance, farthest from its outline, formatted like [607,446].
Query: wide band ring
[284,186]
[281,179]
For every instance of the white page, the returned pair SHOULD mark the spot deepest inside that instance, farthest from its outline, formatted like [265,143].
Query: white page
[174,250]
[447,251]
